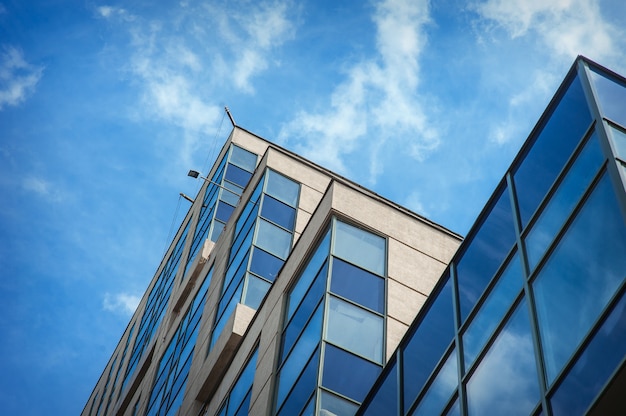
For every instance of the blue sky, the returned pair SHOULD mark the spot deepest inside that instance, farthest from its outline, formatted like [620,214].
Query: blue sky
[105,106]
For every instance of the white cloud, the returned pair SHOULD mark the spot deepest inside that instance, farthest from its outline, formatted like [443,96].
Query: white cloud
[110,12]
[18,78]
[378,98]
[122,303]
[42,188]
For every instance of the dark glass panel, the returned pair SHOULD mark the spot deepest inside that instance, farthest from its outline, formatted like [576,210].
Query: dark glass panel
[264,264]
[427,344]
[558,137]
[230,307]
[385,399]
[584,270]
[243,158]
[256,290]
[223,211]
[244,406]
[492,310]
[563,201]
[278,213]
[611,95]
[237,175]
[303,389]
[602,356]
[360,247]
[485,252]
[455,410]
[282,188]
[331,404]
[246,233]
[348,374]
[242,386]
[249,213]
[358,285]
[441,389]
[505,381]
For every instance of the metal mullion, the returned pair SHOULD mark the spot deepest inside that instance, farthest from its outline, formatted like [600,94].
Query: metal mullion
[358,305]
[530,299]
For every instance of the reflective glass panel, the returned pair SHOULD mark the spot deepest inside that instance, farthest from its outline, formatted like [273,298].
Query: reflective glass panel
[231,193]
[505,381]
[563,200]
[611,95]
[492,310]
[355,329]
[583,271]
[558,137]
[356,284]
[223,211]
[385,400]
[243,385]
[427,344]
[594,367]
[360,247]
[264,264]
[619,142]
[273,239]
[218,227]
[255,291]
[282,188]
[303,389]
[243,158]
[485,252]
[333,405]
[348,374]
[441,389]
[237,175]
[278,213]
[455,410]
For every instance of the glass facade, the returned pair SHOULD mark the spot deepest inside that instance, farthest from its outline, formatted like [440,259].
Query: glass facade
[529,317]
[332,344]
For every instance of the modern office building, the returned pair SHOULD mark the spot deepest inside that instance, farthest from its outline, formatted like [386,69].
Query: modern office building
[289,290]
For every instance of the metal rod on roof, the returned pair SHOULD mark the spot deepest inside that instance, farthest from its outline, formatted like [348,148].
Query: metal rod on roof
[230,116]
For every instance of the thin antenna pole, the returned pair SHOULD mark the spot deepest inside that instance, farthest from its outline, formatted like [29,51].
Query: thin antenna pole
[230,116]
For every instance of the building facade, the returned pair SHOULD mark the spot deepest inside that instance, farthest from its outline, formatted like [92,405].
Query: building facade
[289,290]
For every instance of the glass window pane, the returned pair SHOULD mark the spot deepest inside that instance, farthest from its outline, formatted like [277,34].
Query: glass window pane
[348,374]
[264,264]
[360,247]
[455,410]
[243,158]
[619,141]
[218,227]
[243,385]
[303,390]
[282,188]
[594,367]
[505,381]
[255,291]
[279,213]
[231,193]
[492,310]
[485,252]
[611,95]
[385,400]
[584,271]
[563,200]
[558,137]
[356,284]
[355,329]
[273,239]
[333,405]
[237,175]
[441,389]
[223,211]
[419,357]
[309,273]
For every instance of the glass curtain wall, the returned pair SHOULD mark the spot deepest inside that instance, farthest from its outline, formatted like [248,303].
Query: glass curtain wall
[262,241]
[333,339]
[522,320]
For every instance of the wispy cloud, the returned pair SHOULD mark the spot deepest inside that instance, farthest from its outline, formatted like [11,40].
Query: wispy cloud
[122,303]
[42,188]
[18,78]
[378,97]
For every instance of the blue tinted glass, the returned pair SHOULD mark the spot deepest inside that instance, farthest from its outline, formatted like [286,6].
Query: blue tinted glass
[249,214]
[264,264]
[594,367]
[230,307]
[242,385]
[243,158]
[548,154]
[218,227]
[231,193]
[348,374]
[255,291]
[299,320]
[385,399]
[485,252]
[300,354]
[273,239]
[355,329]
[427,344]
[244,406]
[334,405]
[455,410]
[247,232]
[492,310]
[307,276]
[441,389]
[360,247]
[611,95]
[618,138]
[584,271]
[232,280]
[505,381]
[303,390]
[356,284]
[278,213]
[223,211]
[282,188]
[563,201]
[237,175]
